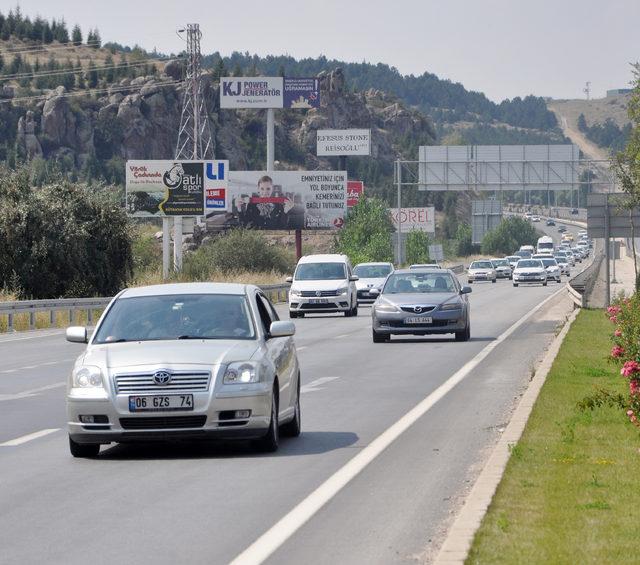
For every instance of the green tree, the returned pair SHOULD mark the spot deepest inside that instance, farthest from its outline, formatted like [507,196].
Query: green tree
[62,239]
[76,35]
[366,234]
[92,75]
[417,247]
[464,247]
[582,123]
[512,233]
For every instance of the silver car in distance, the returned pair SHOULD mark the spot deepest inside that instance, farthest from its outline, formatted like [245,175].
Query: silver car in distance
[421,302]
[184,361]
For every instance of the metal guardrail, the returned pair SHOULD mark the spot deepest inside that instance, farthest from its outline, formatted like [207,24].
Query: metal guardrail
[275,292]
[581,286]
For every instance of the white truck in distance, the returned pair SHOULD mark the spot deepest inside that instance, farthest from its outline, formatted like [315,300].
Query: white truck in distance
[545,245]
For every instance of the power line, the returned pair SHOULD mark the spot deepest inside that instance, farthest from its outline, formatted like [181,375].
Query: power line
[43,47]
[88,92]
[56,72]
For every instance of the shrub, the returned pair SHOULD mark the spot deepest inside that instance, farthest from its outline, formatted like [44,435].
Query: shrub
[463,245]
[239,250]
[62,239]
[417,247]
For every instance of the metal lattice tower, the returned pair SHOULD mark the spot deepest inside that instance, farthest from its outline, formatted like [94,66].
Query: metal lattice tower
[194,135]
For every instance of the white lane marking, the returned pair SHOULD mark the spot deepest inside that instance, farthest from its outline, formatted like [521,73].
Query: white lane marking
[28,437]
[302,347]
[4,371]
[341,336]
[32,392]
[313,385]
[280,532]
[6,340]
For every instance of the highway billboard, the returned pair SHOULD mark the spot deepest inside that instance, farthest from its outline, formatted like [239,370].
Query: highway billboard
[422,219]
[269,92]
[343,142]
[175,188]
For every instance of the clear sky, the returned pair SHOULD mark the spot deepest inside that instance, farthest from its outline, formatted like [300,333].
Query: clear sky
[504,48]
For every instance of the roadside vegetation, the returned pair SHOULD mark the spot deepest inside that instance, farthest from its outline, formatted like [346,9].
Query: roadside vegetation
[509,236]
[570,493]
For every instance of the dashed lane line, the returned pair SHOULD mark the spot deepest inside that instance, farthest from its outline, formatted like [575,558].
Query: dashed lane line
[32,392]
[29,437]
[28,367]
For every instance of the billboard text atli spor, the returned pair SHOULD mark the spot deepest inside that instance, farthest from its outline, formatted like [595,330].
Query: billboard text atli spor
[175,188]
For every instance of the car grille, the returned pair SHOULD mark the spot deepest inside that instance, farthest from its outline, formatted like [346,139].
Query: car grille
[163,422]
[180,380]
[364,294]
[314,293]
[306,306]
[413,311]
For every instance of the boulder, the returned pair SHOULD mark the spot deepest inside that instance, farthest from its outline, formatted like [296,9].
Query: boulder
[26,137]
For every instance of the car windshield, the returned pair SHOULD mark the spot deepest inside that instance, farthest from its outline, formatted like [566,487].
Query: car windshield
[372,271]
[177,316]
[419,283]
[529,263]
[320,272]
[481,265]
[523,253]
[513,258]
[500,263]
[549,262]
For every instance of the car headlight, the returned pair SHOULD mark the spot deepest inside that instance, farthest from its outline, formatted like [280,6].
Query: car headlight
[294,292]
[86,377]
[341,291]
[451,306]
[385,307]
[241,373]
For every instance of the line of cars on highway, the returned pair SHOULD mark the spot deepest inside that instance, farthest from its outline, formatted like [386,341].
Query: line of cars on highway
[213,360]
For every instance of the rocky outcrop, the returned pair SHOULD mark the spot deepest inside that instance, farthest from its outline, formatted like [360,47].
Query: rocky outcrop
[145,114]
[26,137]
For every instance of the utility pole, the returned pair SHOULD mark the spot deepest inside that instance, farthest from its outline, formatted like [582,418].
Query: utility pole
[194,135]
[587,90]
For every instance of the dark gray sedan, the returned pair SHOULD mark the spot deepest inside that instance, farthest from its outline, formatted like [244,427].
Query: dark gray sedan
[421,302]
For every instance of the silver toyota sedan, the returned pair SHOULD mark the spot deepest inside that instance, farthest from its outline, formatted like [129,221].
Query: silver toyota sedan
[184,361]
[421,302]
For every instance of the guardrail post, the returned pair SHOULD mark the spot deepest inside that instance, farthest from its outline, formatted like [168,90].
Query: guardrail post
[89,317]
[71,317]
[52,318]
[10,323]
[32,320]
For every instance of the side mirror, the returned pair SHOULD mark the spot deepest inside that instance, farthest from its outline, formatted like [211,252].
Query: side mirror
[77,334]
[354,278]
[289,279]
[465,290]
[282,329]
[374,292]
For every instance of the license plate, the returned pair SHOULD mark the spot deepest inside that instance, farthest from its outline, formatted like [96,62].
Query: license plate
[319,301]
[160,403]
[418,320]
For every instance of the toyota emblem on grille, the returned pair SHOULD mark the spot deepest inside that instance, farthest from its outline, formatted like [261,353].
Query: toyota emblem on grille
[162,377]
[417,309]
[318,293]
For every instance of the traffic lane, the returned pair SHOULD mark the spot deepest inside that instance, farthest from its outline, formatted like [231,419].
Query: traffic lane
[399,508]
[192,505]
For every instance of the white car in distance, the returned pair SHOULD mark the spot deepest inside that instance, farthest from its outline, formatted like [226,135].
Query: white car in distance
[530,271]
[371,275]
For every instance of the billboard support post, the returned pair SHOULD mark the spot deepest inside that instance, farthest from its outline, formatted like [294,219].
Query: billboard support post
[270,139]
[166,245]
[399,180]
[607,233]
[298,244]
[177,244]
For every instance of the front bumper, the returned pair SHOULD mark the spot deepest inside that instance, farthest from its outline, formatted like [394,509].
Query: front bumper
[478,278]
[529,280]
[364,297]
[442,322]
[323,304]
[210,418]
[504,274]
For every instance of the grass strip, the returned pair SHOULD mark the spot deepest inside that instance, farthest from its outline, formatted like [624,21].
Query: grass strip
[571,489]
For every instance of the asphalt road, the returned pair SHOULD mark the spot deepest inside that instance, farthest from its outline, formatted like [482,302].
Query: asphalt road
[207,503]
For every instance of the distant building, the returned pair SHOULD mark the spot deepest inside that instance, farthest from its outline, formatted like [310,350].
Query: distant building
[618,91]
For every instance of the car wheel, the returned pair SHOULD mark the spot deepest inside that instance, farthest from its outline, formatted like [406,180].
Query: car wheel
[470,282]
[355,310]
[379,338]
[544,283]
[515,284]
[293,314]
[83,449]
[465,334]
[294,427]
[494,280]
[269,442]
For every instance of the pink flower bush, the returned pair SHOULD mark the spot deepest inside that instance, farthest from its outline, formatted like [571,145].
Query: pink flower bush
[617,351]
[618,333]
[634,386]
[630,368]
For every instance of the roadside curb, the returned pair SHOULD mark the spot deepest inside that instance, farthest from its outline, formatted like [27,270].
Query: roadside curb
[457,544]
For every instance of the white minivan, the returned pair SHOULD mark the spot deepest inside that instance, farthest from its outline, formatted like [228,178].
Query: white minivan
[322,284]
